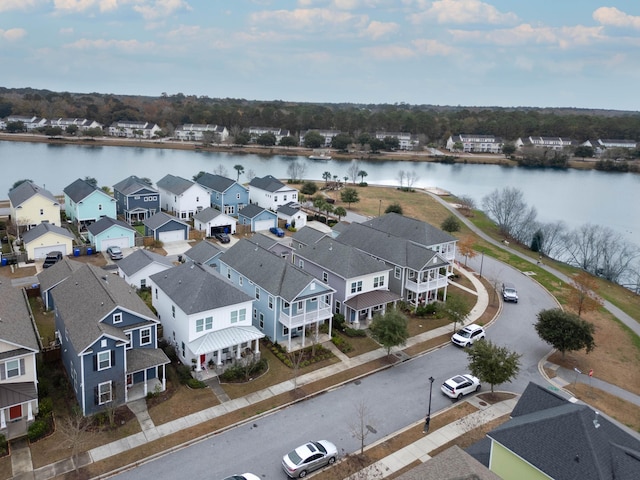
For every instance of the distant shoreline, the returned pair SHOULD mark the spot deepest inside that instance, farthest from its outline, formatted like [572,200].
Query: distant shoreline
[482,159]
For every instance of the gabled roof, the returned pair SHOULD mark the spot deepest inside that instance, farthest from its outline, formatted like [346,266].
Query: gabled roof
[42,229]
[209,214]
[25,191]
[158,219]
[268,183]
[252,210]
[198,288]
[81,189]
[16,326]
[217,183]
[570,441]
[390,248]
[86,298]
[202,252]
[343,260]
[139,259]
[271,272]
[410,229]
[308,235]
[452,464]
[173,184]
[289,209]
[105,223]
[52,276]
[131,185]
[264,241]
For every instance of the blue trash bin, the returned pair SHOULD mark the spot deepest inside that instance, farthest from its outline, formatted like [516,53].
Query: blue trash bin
[76,252]
[4,262]
[89,251]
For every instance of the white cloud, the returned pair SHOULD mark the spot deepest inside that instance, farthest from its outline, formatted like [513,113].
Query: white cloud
[161,8]
[309,19]
[464,12]
[149,9]
[7,5]
[525,34]
[71,6]
[390,52]
[377,29]
[611,16]
[126,46]
[12,34]
[66,31]
[432,48]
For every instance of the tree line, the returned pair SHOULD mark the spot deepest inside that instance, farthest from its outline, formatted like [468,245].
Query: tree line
[432,124]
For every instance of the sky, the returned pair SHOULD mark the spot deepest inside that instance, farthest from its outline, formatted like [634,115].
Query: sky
[506,53]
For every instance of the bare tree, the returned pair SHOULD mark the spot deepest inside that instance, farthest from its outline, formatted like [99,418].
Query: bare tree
[75,432]
[508,209]
[465,248]
[251,174]
[295,357]
[583,296]
[359,426]
[616,256]
[221,170]
[467,205]
[553,238]
[296,171]
[353,170]
[402,175]
[412,178]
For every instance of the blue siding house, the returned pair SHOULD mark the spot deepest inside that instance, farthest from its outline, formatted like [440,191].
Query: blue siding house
[109,232]
[136,200]
[85,203]
[288,304]
[227,195]
[259,218]
[108,340]
[166,228]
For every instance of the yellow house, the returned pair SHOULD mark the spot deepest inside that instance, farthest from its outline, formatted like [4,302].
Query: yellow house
[32,205]
[45,238]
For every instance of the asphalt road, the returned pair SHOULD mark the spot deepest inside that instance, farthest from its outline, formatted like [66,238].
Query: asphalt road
[394,398]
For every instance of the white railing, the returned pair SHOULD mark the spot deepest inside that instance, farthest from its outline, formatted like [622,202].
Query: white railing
[305,318]
[426,285]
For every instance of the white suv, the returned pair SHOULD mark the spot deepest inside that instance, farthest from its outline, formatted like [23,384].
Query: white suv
[469,334]
[509,293]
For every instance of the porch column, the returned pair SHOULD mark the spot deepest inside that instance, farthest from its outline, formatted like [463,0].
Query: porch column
[219,357]
[145,382]
[198,364]
[256,349]
[164,378]
[3,421]
[238,352]
[29,411]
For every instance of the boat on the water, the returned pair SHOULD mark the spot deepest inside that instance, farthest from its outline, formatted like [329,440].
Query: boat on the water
[319,157]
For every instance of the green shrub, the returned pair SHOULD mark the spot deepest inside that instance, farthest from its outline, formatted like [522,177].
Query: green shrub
[4,446]
[338,321]
[38,429]
[342,344]
[353,332]
[45,406]
[184,374]
[427,310]
[239,372]
[195,383]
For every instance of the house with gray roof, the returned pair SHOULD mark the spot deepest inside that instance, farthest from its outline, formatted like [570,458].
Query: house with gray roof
[85,203]
[287,300]
[292,214]
[204,252]
[19,344]
[50,277]
[46,238]
[306,236]
[205,316]
[137,268]
[474,143]
[31,205]
[108,340]
[451,464]
[111,232]
[550,437]
[280,247]
[419,273]
[136,200]
[212,221]
[181,197]
[269,192]
[361,282]
[258,218]
[166,228]
[227,195]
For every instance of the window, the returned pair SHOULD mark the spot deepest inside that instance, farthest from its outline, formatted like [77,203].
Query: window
[137,197]
[182,347]
[397,272]
[42,211]
[301,263]
[261,321]
[145,336]
[337,309]
[284,199]
[156,293]
[13,368]
[325,277]
[237,196]
[378,281]
[300,306]
[229,273]
[129,340]
[104,393]
[257,293]
[143,283]
[208,323]
[117,317]
[99,206]
[356,286]
[255,313]
[104,360]
[234,316]
[270,302]
[242,314]
[197,199]
[275,199]
[199,325]
[103,343]
[240,281]
[173,311]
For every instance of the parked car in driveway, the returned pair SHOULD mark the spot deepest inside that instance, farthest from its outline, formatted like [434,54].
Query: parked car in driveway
[52,258]
[114,253]
[244,476]
[466,336]
[310,456]
[222,237]
[277,231]
[509,293]
[460,385]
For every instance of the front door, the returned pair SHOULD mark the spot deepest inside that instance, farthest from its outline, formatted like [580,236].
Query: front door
[15,413]
[203,361]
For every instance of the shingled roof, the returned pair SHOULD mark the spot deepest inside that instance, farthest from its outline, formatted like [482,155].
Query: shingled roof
[173,184]
[410,229]
[139,259]
[43,228]
[268,183]
[217,183]
[132,185]
[16,326]
[81,189]
[25,191]
[202,252]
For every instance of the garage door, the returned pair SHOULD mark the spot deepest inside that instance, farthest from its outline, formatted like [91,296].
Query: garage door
[264,225]
[42,252]
[122,242]
[221,229]
[173,236]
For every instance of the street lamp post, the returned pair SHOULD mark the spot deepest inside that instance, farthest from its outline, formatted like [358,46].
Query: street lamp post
[428,419]
[481,263]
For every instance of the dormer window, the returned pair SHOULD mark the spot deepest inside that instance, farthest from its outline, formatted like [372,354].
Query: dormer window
[117,317]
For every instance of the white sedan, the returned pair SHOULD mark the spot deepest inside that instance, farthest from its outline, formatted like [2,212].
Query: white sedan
[460,385]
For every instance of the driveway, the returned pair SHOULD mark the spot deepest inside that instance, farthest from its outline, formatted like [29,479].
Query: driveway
[176,248]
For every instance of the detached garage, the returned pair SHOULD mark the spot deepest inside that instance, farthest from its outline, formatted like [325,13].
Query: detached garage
[166,228]
[46,238]
[109,232]
[212,221]
[259,218]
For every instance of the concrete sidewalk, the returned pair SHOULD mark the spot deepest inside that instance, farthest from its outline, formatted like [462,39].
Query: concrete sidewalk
[152,432]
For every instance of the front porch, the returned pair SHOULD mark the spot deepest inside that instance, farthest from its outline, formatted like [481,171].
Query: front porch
[360,309]
[140,390]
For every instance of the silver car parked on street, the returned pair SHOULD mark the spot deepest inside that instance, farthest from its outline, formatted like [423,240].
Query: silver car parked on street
[310,456]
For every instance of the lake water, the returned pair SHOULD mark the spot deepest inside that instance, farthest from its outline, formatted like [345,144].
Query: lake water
[574,196]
